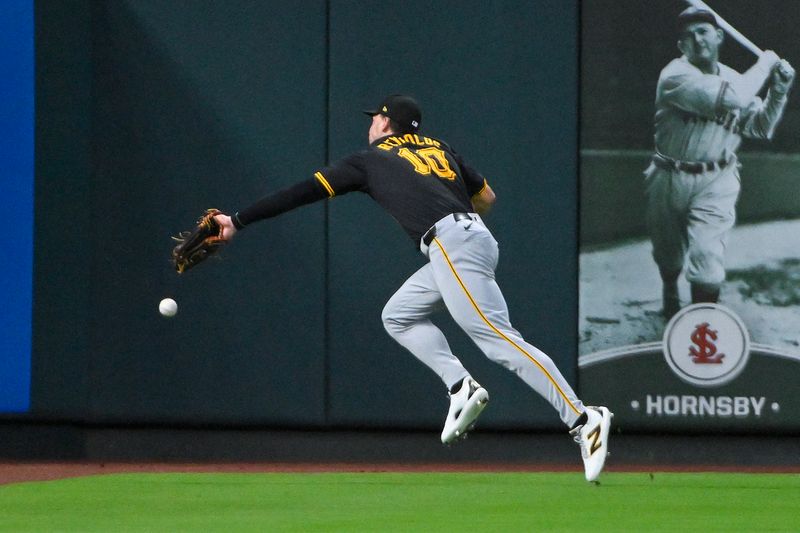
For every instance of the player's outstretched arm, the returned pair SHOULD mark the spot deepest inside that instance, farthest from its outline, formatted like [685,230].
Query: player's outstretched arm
[272,205]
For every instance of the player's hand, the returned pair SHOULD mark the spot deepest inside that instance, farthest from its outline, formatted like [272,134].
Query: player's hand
[769,59]
[228,229]
[782,77]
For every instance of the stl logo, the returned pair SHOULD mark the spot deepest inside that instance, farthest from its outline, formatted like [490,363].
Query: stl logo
[704,351]
[706,345]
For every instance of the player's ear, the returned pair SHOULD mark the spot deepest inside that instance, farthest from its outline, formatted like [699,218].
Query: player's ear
[720,35]
[386,124]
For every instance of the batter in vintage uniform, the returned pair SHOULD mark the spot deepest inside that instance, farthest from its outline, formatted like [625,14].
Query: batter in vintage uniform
[703,109]
[438,199]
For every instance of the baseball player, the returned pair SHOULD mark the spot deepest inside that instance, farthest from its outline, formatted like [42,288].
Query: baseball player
[438,199]
[703,109]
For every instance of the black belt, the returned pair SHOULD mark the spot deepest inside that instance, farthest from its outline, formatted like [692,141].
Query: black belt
[690,167]
[427,239]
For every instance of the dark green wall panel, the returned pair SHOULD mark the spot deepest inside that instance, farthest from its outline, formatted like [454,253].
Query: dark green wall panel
[62,264]
[206,104]
[174,107]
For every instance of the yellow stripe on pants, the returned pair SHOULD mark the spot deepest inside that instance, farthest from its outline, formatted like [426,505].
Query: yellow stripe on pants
[500,333]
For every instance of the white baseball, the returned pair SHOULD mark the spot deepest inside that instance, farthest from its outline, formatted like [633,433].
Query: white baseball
[168,307]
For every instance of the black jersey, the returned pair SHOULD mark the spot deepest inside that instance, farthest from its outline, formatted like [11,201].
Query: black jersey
[416,179]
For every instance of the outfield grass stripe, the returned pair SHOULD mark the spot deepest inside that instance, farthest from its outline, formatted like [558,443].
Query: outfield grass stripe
[404,502]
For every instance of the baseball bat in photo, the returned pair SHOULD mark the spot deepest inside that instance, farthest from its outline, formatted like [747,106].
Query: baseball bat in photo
[725,25]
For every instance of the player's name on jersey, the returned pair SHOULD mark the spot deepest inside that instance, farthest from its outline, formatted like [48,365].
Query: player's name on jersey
[409,138]
[705,406]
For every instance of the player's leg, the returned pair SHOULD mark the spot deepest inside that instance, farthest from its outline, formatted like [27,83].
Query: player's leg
[405,318]
[711,217]
[465,276]
[667,197]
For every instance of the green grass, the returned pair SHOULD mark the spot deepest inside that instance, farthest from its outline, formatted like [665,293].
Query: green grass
[469,502]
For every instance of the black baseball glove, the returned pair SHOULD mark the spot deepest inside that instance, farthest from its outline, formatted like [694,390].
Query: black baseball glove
[196,245]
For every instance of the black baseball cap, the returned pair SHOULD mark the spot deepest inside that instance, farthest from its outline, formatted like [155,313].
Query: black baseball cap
[693,14]
[402,109]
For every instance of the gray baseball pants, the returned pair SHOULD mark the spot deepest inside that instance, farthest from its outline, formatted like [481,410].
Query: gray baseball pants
[691,215]
[461,274]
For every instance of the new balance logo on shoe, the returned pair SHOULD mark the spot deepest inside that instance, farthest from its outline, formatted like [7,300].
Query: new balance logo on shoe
[592,437]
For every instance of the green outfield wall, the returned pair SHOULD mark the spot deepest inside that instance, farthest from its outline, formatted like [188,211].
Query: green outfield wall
[149,112]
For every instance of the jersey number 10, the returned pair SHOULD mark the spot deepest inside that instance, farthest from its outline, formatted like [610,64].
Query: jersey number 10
[427,160]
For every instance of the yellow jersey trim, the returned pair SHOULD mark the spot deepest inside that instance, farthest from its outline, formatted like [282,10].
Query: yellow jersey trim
[324,182]
[485,184]
[500,333]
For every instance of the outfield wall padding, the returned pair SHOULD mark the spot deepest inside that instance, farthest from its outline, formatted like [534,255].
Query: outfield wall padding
[150,112]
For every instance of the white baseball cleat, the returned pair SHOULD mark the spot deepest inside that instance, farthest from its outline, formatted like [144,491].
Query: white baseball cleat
[465,406]
[592,437]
